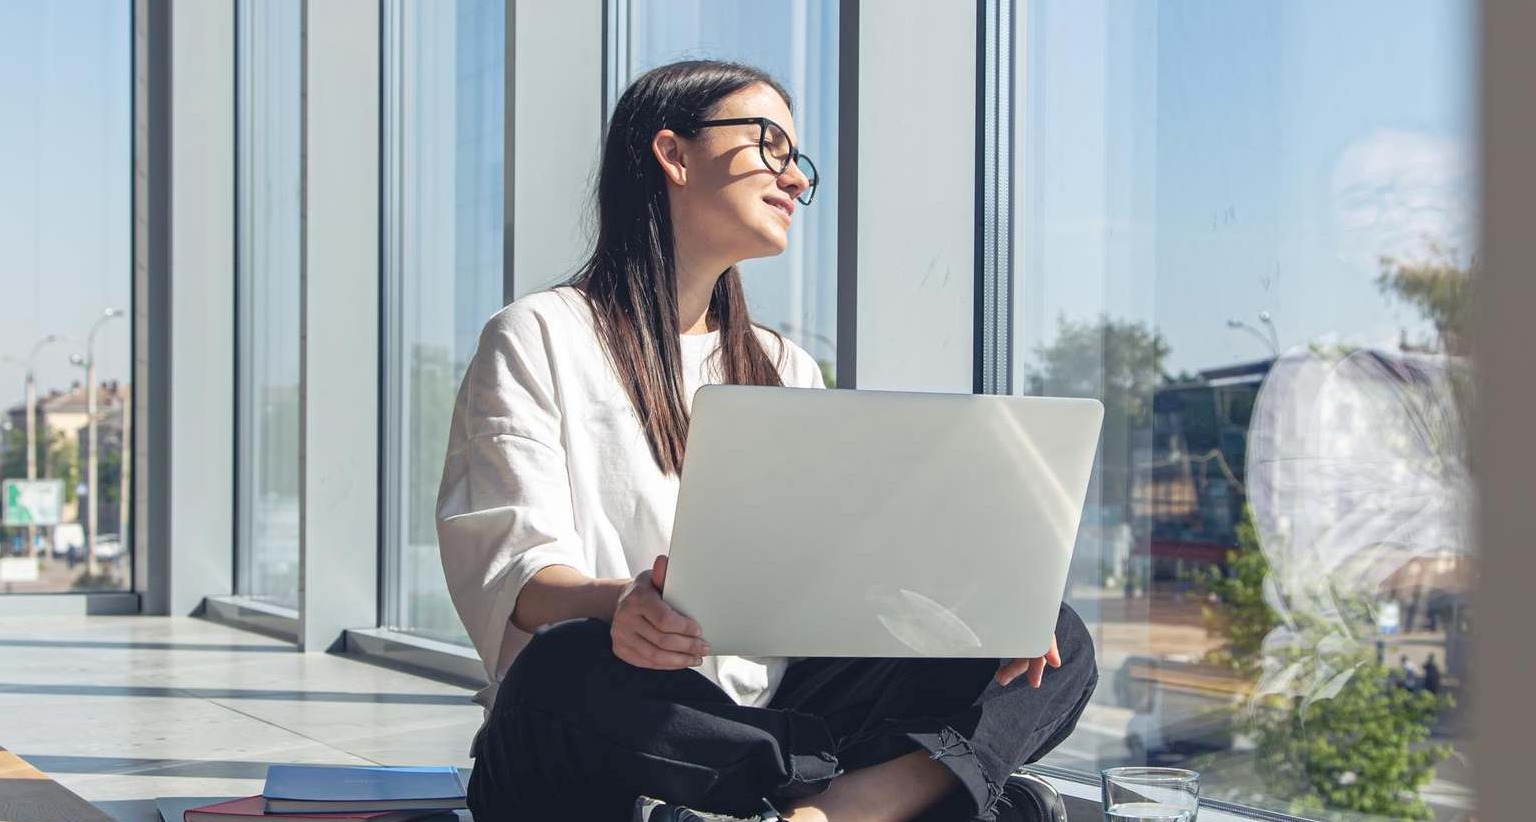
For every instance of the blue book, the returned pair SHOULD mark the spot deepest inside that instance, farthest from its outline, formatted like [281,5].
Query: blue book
[351,788]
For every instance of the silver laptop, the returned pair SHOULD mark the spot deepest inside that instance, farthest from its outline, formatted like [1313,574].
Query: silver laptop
[878,523]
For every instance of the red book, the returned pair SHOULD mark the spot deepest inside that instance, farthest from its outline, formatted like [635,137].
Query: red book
[254,807]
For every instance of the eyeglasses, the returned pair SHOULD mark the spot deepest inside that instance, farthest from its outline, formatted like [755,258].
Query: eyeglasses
[776,150]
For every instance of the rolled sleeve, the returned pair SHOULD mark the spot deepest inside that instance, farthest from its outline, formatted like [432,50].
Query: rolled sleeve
[504,505]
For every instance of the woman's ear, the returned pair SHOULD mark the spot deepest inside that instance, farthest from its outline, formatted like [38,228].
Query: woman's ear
[667,145]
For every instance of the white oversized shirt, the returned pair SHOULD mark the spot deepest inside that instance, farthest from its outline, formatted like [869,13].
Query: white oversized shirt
[547,465]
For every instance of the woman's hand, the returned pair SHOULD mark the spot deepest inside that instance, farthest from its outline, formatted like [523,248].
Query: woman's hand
[648,633]
[1010,670]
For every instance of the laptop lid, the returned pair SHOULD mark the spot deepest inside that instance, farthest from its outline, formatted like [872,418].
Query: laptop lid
[816,522]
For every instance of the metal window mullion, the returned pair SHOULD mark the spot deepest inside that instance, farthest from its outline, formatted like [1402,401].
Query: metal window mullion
[616,35]
[994,246]
[391,243]
[508,151]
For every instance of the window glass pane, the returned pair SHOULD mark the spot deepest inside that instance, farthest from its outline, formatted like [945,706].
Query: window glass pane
[444,86]
[267,204]
[65,289]
[794,293]
[1249,229]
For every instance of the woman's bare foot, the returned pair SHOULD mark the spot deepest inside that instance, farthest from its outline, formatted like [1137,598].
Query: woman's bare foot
[893,791]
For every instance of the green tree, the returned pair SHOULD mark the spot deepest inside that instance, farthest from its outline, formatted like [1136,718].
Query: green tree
[432,386]
[1120,362]
[1354,741]
[828,373]
[1361,750]
[1440,287]
[64,463]
[1240,613]
[58,457]
[14,465]
[109,476]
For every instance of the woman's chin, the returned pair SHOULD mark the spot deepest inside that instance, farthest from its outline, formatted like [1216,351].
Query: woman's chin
[775,240]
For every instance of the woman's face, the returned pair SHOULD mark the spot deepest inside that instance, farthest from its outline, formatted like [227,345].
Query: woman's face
[723,194]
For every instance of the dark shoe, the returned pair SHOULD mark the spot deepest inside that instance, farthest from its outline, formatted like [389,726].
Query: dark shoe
[648,809]
[1029,798]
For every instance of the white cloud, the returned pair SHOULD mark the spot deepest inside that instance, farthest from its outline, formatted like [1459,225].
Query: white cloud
[1399,193]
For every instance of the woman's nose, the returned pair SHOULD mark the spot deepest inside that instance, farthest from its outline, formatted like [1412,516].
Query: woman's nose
[793,181]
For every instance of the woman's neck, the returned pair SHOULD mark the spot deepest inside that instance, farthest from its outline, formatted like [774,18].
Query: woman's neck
[698,269]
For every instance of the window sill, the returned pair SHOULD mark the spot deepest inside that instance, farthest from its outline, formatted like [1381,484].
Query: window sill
[69,603]
[254,615]
[1084,801]
[441,661]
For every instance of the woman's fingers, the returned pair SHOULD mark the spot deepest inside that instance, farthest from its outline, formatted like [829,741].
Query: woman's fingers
[659,572]
[1036,671]
[645,598]
[671,642]
[666,618]
[648,633]
[638,652]
[1011,670]
[1033,668]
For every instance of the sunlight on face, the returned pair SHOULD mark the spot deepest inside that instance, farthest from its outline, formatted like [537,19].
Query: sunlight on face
[731,196]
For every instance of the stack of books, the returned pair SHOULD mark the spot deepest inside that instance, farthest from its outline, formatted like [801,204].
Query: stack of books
[339,793]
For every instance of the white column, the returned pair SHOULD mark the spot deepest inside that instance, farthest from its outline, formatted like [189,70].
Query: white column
[339,324]
[906,263]
[200,517]
[557,127]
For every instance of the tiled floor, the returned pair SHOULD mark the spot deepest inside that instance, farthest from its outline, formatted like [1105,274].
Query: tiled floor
[124,709]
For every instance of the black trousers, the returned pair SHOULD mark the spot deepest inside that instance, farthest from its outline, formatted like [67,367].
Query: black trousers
[577,733]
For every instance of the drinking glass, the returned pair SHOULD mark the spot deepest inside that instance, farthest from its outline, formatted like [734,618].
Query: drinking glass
[1138,794]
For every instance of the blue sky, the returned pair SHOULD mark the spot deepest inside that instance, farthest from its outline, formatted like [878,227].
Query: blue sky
[65,169]
[1194,161]
[1190,161]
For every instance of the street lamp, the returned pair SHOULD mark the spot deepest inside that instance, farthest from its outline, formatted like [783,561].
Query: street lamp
[88,362]
[29,364]
[1274,335]
[1272,342]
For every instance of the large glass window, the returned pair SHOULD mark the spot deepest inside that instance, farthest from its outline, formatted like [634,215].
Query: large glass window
[65,289]
[443,200]
[1248,228]
[443,128]
[794,293]
[268,217]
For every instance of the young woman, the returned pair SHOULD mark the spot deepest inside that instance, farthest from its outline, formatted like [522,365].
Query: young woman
[555,512]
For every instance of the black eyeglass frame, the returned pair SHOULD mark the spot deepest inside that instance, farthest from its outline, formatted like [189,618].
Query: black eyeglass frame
[795,155]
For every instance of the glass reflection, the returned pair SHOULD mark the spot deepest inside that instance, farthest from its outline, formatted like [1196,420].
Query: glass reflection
[1249,230]
[268,185]
[444,64]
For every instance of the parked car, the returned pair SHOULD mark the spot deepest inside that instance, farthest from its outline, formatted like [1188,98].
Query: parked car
[109,548]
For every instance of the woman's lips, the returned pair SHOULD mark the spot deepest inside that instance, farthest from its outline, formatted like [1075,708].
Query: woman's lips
[780,208]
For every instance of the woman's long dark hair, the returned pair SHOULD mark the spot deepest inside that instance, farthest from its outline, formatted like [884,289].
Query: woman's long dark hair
[630,280]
